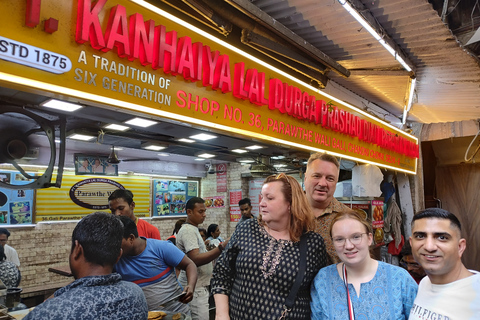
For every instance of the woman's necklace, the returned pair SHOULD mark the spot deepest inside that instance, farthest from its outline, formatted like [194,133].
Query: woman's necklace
[271,256]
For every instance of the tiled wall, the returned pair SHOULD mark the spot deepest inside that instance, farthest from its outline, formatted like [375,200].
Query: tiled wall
[48,244]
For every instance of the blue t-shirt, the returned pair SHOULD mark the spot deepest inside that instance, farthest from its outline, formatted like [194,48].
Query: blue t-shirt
[154,271]
[389,295]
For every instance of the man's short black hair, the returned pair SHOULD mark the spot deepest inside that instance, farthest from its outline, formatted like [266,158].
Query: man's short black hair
[192,201]
[100,235]
[129,227]
[5,231]
[245,201]
[439,214]
[124,194]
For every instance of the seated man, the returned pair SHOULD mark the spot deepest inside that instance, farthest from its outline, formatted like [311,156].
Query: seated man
[151,264]
[96,293]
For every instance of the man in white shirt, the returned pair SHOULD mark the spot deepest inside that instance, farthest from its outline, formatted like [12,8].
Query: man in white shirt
[450,291]
[11,253]
[190,242]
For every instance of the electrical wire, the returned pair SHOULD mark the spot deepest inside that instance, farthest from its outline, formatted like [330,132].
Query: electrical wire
[468,149]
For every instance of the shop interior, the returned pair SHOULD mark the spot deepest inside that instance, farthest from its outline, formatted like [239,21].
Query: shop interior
[433,98]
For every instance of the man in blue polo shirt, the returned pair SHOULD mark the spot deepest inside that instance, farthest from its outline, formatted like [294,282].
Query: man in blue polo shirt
[151,264]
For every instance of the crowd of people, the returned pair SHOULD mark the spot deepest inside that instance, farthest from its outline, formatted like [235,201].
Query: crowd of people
[306,256]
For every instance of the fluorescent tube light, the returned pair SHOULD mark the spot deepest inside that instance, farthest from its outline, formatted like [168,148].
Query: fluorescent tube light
[374,33]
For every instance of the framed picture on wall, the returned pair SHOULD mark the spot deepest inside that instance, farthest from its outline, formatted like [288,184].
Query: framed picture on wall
[16,205]
[171,196]
[94,165]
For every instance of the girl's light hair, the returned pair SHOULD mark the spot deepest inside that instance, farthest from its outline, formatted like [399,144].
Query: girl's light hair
[352,214]
[302,219]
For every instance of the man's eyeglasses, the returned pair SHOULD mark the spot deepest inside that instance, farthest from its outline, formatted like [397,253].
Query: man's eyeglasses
[354,239]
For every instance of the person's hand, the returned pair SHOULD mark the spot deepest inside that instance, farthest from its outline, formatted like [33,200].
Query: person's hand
[224,244]
[188,296]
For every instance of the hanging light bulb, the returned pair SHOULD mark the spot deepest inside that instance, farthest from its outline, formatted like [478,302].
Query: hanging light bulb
[112,158]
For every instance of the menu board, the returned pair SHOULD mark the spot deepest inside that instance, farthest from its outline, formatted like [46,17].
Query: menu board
[15,205]
[171,196]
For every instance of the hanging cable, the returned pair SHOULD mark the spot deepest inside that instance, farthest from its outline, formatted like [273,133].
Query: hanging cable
[468,149]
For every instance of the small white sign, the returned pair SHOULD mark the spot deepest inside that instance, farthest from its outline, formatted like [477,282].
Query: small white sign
[34,57]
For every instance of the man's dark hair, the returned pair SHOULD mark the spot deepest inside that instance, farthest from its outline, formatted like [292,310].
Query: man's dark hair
[192,201]
[244,201]
[5,231]
[100,235]
[439,214]
[125,194]
[129,227]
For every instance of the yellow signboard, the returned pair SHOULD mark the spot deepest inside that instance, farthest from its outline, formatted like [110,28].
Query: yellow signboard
[81,195]
[133,56]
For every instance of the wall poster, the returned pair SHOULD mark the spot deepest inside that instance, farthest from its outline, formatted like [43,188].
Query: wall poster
[171,196]
[94,165]
[16,206]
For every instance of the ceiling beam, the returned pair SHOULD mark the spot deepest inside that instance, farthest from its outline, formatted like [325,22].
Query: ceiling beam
[379,72]
[201,12]
[258,15]
[287,57]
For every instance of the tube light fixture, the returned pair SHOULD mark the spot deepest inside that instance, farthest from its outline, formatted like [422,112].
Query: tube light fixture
[140,122]
[202,137]
[408,106]
[81,137]
[116,127]
[254,147]
[239,150]
[61,105]
[205,155]
[374,33]
[154,147]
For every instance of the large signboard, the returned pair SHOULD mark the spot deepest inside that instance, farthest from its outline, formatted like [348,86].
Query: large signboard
[131,55]
[82,195]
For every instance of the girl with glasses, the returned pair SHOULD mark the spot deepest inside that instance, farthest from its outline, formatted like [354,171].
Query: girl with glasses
[359,286]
